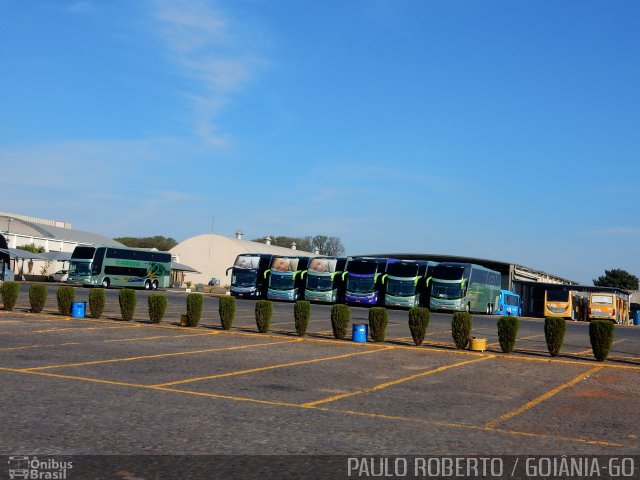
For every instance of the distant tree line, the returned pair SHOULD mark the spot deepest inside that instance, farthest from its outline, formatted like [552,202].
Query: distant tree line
[159,242]
[331,246]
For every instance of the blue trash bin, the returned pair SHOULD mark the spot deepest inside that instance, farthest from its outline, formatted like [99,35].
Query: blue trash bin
[359,333]
[636,318]
[78,309]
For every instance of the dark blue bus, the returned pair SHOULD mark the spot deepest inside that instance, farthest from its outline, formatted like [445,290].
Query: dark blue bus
[364,285]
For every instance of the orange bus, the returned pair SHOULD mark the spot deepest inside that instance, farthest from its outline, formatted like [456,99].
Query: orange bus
[566,304]
[609,306]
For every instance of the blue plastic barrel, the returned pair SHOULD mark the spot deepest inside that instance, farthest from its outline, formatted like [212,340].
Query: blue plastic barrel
[636,318]
[77,309]
[359,333]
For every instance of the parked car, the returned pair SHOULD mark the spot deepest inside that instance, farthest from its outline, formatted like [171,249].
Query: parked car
[59,276]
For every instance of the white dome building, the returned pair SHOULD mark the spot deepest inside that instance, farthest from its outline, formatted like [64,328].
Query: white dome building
[213,254]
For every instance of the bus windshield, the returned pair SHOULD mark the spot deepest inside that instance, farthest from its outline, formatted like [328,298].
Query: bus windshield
[401,287]
[400,269]
[242,278]
[557,296]
[360,285]
[363,267]
[448,273]
[319,282]
[446,290]
[279,281]
[79,269]
[83,253]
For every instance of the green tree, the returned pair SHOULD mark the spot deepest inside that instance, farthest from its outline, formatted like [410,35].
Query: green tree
[617,278]
[161,243]
[32,247]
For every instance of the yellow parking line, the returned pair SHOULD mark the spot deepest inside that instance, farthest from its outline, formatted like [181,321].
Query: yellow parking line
[326,410]
[50,330]
[541,398]
[159,355]
[589,350]
[39,346]
[272,367]
[71,377]
[158,337]
[394,382]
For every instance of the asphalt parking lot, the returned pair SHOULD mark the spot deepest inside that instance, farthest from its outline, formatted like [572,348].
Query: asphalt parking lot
[86,386]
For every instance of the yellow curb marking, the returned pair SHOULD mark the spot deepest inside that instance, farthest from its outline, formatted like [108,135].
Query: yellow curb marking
[145,357]
[394,382]
[541,398]
[271,367]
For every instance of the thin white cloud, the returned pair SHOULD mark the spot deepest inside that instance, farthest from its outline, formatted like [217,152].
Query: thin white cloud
[212,52]
[617,231]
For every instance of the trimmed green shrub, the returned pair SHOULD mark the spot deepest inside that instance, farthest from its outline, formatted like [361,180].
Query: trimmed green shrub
[37,297]
[10,294]
[97,299]
[65,296]
[128,298]
[301,315]
[157,304]
[507,332]
[601,334]
[461,324]
[227,311]
[194,308]
[418,323]
[340,317]
[264,311]
[378,320]
[554,328]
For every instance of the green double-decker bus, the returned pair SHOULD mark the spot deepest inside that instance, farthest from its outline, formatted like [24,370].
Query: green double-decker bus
[105,266]
[464,287]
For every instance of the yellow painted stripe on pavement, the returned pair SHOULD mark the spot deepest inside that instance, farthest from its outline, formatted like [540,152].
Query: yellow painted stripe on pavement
[159,355]
[327,410]
[541,398]
[394,382]
[272,367]
[590,350]
[39,346]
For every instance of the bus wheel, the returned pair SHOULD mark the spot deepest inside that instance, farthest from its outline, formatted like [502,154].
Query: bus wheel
[468,308]
[154,285]
[147,285]
[105,283]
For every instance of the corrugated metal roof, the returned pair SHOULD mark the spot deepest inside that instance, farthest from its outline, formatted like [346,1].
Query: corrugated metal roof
[66,234]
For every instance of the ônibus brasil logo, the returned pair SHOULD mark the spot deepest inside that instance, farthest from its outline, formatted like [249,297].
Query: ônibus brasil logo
[33,468]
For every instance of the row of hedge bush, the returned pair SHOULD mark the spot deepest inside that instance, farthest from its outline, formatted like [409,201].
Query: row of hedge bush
[601,332]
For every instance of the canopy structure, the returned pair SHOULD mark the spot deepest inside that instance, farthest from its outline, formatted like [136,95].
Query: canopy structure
[181,267]
[59,256]
[19,254]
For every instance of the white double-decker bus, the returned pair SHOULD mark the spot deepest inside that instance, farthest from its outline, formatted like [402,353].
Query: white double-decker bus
[105,266]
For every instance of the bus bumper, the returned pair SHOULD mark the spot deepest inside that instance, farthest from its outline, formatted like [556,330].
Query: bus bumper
[286,295]
[404,302]
[315,296]
[241,292]
[362,299]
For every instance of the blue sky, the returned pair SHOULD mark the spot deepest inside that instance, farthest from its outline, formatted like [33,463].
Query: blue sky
[505,129]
